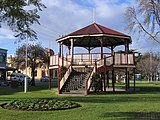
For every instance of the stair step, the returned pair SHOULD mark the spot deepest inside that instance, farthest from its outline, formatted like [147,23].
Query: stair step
[77,81]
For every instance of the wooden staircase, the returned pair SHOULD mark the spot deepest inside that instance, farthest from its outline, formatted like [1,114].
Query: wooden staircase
[76,82]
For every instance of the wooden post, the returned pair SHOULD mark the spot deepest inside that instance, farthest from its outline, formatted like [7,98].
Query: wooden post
[62,50]
[126,79]
[107,79]
[112,53]
[101,42]
[89,52]
[127,47]
[128,86]
[134,79]
[72,49]
[59,49]
[69,50]
[113,72]
[113,80]
[49,81]
[126,51]
[59,75]
[104,74]
[126,71]
[104,78]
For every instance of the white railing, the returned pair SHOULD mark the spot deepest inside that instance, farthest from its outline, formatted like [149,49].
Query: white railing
[105,61]
[85,58]
[63,62]
[54,60]
[123,58]
[100,62]
[109,60]
[65,77]
[130,58]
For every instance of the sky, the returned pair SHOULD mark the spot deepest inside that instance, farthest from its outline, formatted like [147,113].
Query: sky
[62,17]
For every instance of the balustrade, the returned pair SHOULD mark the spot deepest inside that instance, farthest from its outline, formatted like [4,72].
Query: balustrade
[90,59]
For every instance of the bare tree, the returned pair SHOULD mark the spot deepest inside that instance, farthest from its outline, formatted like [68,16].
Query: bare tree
[145,18]
[148,65]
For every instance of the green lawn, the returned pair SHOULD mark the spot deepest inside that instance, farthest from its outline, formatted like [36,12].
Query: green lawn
[141,105]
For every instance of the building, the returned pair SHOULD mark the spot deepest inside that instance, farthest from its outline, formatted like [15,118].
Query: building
[39,72]
[3,56]
[76,70]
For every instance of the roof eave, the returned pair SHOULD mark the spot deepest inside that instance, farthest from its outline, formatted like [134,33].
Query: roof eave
[94,35]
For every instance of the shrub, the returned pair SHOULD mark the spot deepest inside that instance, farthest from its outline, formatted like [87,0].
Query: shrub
[40,105]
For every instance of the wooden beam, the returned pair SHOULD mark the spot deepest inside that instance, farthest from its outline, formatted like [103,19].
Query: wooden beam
[113,80]
[112,53]
[69,50]
[134,79]
[72,49]
[128,86]
[107,79]
[101,43]
[104,80]
[89,51]
[126,79]
[60,49]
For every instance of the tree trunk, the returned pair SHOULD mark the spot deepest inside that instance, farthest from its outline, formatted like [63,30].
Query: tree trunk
[33,78]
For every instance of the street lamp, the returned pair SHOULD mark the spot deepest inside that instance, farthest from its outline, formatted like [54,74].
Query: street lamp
[26,59]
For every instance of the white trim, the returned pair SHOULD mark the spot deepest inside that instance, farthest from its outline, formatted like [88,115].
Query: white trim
[53,67]
[96,35]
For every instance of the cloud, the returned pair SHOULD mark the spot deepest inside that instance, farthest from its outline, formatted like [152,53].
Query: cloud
[6,34]
[62,17]
[65,16]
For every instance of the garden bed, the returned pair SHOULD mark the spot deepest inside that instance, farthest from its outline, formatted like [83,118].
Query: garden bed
[40,105]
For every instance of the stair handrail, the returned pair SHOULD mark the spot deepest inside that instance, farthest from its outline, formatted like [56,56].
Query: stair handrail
[65,77]
[100,61]
[89,80]
[108,58]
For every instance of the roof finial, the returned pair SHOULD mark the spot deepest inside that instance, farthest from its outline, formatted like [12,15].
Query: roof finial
[94,15]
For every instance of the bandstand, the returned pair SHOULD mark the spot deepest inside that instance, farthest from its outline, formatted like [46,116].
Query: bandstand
[75,70]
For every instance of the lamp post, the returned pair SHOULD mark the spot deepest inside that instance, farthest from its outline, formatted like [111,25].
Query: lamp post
[26,60]
[49,81]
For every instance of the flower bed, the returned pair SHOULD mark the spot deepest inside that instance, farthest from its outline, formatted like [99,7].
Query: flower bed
[40,105]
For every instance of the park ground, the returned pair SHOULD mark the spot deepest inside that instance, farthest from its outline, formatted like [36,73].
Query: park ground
[140,105]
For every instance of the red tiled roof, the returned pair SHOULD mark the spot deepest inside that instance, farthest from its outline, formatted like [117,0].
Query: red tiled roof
[96,29]
[90,36]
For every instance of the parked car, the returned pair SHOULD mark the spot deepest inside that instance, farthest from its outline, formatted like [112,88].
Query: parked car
[44,78]
[20,77]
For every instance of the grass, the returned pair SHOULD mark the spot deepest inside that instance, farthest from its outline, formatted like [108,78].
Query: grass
[142,105]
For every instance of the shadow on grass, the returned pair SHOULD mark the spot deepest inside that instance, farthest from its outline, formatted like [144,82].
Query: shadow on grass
[132,115]
[8,90]
[114,99]
[149,89]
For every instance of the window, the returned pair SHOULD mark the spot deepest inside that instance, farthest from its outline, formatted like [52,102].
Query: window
[2,58]
[56,74]
[35,73]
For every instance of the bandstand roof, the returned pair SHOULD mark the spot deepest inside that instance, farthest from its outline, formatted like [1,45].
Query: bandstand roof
[92,36]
